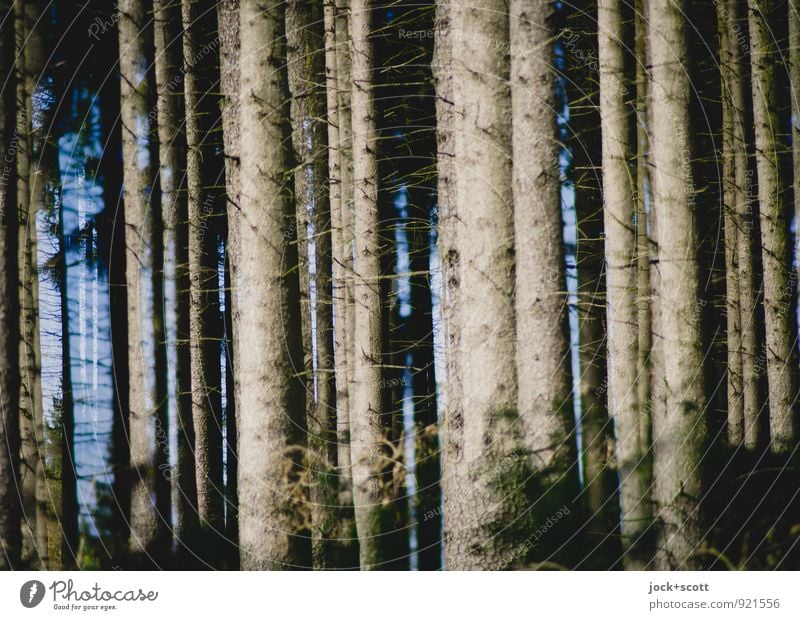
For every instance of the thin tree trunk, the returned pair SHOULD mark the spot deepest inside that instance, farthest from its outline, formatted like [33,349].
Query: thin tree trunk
[10,471]
[172,159]
[745,219]
[779,276]
[228,20]
[343,77]
[341,259]
[150,492]
[732,296]
[602,498]
[204,171]
[370,430]
[545,407]
[615,29]
[271,409]
[33,441]
[307,81]
[680,433]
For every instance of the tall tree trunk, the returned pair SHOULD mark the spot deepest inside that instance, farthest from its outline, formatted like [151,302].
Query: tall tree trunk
[271,409]
[150,492]
[172,160]
[478,248]
[615,34]
[373,488]
[779,276]
[745,220]
[679,434]
[341,259]
[307,81]
[602,498]
[10,478]
[733,312]
[29,455]
[228,20]
[34,194]
[343,77]
[204,172]
[544,400]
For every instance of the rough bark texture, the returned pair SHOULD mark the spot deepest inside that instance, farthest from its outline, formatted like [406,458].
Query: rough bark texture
[478,248]
[373,489]
[150,493]
[615,32]
[228,19]
[10,496]
[735,375]
[780,278]
[204,174]
[343,67]
[544,404]
[341,259]
[172,160]
[272,407]
[680,434]
[30,62]
[747,232]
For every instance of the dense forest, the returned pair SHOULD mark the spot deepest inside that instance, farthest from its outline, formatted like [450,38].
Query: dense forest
[399,284]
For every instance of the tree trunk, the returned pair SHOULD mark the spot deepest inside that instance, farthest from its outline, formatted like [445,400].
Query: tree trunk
[31,196]
[780,278]
[272,408]
[479,446]
[343,77]
[10,478]
[615,28]
[228,19]
[172,159]
[747,231]
[150,492]
[732,296]
[545,407]
[306,60]
[373,488]
[204,173]
[680,433]
[602,498]
[341,260]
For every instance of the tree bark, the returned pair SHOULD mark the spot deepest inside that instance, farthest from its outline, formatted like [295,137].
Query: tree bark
[680,433]
[615,32]
[272,408]
[204,173]
[544,402]
[341,260]
[10,478]
[307,81]
[172,159]
[370,430]
[150,492]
